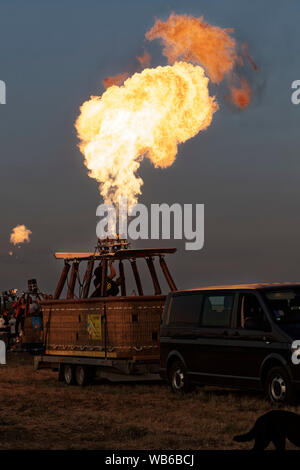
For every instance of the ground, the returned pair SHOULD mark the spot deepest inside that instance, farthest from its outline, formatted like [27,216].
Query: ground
[38,412]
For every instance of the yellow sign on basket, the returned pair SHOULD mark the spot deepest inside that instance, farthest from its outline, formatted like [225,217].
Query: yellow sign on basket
[94,326]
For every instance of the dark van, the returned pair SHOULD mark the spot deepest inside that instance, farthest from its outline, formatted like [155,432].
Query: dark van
[240,336]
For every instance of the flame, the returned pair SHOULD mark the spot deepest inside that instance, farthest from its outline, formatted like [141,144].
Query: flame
[241,96]
[118,79]
[149,116]
[150,113]
[192,39]
[20,234]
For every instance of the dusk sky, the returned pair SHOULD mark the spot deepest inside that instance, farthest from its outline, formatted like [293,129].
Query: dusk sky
[244,168]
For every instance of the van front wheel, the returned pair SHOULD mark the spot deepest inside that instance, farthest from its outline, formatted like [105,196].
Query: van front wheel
[178,378]
[279,388]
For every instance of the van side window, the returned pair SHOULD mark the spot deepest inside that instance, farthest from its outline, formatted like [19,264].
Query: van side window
[250,309]
[185,310]
[217,310]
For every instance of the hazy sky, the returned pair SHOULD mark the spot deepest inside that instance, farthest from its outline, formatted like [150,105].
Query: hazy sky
[245,168]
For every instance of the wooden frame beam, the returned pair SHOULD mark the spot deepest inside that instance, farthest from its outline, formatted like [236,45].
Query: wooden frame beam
[74,273]
[103,277]
[136,276]
[122,277]
[61,281]
[88,278]
[150,264]
[167,274]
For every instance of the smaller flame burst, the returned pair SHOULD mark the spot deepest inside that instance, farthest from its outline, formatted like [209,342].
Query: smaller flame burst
[19,234]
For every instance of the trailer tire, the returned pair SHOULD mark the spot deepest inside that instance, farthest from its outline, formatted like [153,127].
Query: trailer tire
[69,376]
[82,375]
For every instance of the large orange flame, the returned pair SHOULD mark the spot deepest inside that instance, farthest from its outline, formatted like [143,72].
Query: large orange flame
[159,108]
[149,116]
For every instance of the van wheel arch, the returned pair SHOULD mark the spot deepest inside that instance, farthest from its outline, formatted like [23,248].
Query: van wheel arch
[173,358]
[269,363]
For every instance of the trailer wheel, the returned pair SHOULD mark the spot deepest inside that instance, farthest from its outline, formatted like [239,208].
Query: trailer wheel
[69,374]
[82,375]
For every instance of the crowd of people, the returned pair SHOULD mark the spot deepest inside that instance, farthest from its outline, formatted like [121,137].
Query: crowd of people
[14,312]
[12,319]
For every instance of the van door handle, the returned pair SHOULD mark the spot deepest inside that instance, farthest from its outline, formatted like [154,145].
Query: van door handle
[267,339]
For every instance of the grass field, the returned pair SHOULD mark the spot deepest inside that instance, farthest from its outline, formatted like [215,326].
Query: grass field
[38,412]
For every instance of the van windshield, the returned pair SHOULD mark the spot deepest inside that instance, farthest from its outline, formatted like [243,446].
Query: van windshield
[284,305]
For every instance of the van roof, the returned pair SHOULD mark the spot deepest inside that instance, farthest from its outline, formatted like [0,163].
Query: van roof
[259,285]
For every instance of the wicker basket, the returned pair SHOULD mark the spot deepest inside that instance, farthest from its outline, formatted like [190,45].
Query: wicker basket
[122,327]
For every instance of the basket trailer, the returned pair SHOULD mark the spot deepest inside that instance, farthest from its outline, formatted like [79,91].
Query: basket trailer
[83,370]
[85,336]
